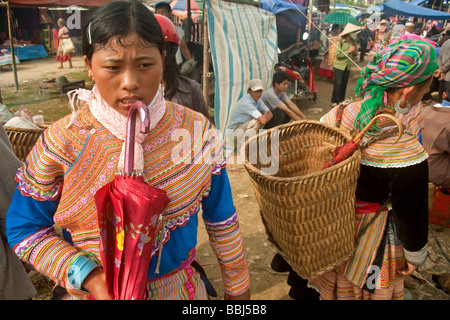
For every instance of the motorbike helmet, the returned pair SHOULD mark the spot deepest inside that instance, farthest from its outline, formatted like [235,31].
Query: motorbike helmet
[168,28]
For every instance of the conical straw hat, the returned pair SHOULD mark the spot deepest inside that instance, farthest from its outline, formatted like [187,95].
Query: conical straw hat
[349,28]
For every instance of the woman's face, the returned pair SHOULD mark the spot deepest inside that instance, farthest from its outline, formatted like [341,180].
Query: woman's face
[126,74]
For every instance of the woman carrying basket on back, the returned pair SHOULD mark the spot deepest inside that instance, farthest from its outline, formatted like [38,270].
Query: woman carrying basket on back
[392,191]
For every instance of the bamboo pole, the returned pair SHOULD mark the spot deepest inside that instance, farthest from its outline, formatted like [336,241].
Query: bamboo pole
[11,44]
[189,19]
[310,7]
[205,56]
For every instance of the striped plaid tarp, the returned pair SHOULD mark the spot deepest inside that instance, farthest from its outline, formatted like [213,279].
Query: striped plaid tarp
[6,59]
[243,42]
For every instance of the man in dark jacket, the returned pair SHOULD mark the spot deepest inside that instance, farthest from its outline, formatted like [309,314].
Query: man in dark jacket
[364,36]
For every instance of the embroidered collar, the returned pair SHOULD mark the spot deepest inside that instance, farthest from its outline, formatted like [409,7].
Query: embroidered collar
[116,123]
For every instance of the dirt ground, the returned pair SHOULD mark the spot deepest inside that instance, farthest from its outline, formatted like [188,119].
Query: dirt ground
[265,283]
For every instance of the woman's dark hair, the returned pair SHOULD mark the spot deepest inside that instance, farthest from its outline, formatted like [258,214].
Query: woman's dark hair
[197,50]
[171,71]
[119,19]
[279,77]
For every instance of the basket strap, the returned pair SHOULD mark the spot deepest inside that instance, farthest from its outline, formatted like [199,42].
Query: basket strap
[383,134]
[339,112]
[364,229]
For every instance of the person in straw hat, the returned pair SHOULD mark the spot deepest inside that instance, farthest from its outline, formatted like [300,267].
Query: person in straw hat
[346,50]
[410,27]
[382,36]
[392,189]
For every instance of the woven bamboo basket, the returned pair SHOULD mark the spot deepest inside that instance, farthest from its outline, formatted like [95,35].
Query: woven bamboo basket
[23,140]
[308,212]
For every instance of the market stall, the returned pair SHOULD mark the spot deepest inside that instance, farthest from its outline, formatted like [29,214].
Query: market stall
[32,52]
[29,52]
[400,8]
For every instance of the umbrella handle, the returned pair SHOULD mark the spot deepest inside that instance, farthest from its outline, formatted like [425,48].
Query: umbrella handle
[359,136]
[131,132]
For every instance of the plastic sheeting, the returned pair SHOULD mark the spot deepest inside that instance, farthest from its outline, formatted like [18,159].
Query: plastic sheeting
[400,8]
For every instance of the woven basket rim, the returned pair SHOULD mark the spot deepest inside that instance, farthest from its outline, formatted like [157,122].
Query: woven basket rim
[24,130]
[257,171]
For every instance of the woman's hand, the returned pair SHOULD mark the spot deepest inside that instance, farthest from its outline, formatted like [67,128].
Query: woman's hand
[95,283]
[410,268]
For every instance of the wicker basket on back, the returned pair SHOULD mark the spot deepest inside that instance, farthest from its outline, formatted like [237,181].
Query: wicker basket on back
[308,213]
[23,140]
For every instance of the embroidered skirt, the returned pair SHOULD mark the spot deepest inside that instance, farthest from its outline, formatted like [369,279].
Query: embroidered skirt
[185,284]
[371,273]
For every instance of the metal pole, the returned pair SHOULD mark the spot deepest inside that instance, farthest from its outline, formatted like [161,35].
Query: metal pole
[11,44]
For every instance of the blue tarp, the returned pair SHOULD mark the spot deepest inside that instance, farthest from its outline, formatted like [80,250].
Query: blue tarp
[30,52]
[400,8]
[417,2]
[343,5]
[289,10]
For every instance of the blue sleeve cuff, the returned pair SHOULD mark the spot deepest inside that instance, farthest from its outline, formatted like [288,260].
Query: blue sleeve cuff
[82,264]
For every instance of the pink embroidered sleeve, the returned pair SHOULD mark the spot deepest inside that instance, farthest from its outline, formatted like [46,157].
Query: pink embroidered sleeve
[226,242]
[50,255]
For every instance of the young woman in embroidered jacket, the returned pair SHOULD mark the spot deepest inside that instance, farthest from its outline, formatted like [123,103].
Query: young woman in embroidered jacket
[392,242]
[123,49]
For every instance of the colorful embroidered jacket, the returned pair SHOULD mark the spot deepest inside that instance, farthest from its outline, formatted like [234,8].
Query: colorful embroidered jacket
[57,184]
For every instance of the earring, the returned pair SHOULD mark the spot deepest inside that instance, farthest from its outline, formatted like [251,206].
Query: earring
[401,110]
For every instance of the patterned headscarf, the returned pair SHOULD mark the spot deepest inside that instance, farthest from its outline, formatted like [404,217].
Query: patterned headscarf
[402,63]
[398,30]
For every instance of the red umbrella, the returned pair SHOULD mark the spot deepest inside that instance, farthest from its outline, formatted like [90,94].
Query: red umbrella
[345,151]
[128,211]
